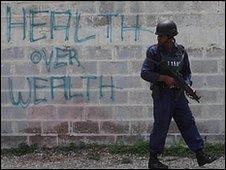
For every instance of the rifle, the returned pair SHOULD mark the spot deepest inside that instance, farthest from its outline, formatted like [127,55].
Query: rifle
[181,82]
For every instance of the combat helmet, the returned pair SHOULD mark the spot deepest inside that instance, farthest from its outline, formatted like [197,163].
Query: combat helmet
[166,27]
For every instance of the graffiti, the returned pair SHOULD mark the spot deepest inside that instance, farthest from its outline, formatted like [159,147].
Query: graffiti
[69,18]
[53,59]
[54,83]
[19,101]
[101,86]
[77,28]
[51,84]
[11,25]
[33,25]
[69,23]
[109,24]
[59,27]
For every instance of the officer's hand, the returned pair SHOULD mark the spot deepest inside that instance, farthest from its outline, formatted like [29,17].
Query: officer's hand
[168,80]
[189,94]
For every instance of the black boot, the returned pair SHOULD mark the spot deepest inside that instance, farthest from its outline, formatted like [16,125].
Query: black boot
[154,163]
[203,158]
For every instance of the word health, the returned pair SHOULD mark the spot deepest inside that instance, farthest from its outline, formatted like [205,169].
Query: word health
[51,24]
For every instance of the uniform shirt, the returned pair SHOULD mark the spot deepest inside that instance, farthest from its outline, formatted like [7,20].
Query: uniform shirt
[150,71]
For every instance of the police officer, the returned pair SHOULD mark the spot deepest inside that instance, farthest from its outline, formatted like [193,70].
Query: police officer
[168,100]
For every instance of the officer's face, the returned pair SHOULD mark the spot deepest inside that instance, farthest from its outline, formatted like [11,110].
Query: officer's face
[162,39]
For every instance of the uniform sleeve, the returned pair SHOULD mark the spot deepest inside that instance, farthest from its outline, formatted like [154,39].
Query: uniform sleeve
[148,68]
[186,71]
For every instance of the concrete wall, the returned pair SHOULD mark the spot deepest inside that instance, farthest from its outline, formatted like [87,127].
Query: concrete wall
[70,71]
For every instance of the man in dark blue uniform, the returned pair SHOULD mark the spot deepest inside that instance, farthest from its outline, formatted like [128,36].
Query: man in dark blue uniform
[168,99]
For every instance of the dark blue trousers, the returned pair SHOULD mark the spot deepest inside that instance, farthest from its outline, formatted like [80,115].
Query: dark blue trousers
[166,108]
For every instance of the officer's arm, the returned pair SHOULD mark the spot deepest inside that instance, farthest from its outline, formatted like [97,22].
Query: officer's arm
[186,71]
[148,68]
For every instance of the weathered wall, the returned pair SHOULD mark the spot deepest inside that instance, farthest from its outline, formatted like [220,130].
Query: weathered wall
[70,71]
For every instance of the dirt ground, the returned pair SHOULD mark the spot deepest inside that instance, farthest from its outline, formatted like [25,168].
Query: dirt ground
[103,160]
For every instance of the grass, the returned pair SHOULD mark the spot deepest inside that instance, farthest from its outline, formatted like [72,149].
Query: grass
[180,149]
[140,148]
[22,149]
